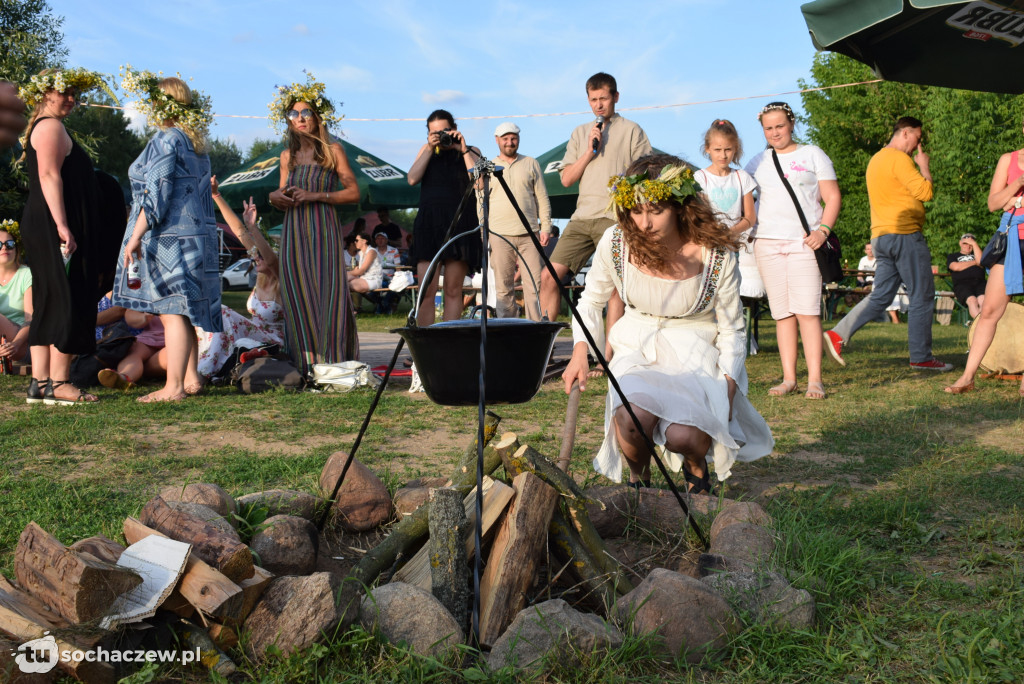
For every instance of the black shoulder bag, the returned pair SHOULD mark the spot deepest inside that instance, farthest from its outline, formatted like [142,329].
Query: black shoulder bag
[829,255]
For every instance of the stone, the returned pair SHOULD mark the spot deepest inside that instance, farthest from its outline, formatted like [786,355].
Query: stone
[408,499]
[551,627]
[282,502]
[286,545]
[206,514]
[656,508]
[744,541]
[402,612]
[296,612]
[363,502]
[201,493]
[711,563]
[739,512]
[765,598]
[691,619]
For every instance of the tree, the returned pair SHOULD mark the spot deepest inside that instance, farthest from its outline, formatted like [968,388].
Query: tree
[965,132]
[112,144]
[259,147]
[225,157]
[32,39]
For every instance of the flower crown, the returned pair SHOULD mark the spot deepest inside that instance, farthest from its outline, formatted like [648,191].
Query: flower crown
[158,106]
[11,226]
[78,79]
[777,107]
[311,92]
[674,183]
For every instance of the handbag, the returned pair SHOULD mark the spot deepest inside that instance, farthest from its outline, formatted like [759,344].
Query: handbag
[344,376]
[829,255]
[995,250]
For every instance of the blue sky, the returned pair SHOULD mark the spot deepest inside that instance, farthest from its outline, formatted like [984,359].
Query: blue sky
[401,59]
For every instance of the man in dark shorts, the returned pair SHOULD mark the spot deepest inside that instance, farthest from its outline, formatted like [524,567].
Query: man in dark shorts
[596,152]
[968,276]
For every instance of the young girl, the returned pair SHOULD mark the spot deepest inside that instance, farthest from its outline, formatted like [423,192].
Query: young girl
[731,194]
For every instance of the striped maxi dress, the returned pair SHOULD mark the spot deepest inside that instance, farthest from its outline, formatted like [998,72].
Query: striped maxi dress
[319,324]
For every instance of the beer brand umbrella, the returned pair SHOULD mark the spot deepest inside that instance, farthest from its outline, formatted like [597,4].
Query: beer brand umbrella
[968,45]
[380,183]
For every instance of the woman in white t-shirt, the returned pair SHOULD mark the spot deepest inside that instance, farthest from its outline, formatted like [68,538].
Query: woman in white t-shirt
[784,252]
[731,194]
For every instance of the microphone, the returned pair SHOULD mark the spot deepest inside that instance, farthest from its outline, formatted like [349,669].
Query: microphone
[600,125]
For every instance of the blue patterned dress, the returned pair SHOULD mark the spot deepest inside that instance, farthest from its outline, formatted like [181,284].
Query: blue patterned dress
[179,266]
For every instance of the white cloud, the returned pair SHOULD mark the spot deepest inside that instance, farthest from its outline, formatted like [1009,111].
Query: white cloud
[301,29]
[445,97]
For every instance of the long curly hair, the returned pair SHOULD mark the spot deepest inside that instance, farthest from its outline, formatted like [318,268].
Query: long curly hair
[697,220]
[320,139]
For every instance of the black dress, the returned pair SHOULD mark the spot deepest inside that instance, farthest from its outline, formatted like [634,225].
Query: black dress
[444,183]
[64,300]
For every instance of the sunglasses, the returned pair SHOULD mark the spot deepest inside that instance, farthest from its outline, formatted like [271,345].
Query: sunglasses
[293,115]
[9,244]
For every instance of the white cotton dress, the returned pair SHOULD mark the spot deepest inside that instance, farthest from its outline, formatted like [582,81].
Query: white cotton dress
[672,349]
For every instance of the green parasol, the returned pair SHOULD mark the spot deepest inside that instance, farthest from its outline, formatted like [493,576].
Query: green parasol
[969,45]
[380,183]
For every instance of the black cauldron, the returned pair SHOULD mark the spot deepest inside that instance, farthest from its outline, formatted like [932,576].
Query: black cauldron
[447,357]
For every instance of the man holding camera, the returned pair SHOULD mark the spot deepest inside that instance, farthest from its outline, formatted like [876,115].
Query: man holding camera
[525,180]
[596,152]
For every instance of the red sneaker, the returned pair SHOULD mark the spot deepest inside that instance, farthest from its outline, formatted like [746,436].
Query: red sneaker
[933,364]
[834,346]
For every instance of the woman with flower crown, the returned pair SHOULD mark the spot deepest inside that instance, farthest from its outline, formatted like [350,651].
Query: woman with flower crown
[172,233]
[58,230]
[679,349]
[319,322]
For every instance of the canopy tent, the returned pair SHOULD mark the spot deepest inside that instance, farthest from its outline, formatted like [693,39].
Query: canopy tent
[380,184]
[969,45]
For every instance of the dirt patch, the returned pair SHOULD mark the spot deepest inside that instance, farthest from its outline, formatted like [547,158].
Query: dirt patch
[1000,434]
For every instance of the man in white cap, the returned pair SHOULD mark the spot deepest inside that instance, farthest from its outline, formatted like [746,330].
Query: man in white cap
[526,181]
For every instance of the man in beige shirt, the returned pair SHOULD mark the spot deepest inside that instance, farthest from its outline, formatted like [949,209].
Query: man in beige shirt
[596,152]
[508,234]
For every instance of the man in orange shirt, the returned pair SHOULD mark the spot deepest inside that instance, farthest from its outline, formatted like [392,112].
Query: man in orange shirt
[897,192]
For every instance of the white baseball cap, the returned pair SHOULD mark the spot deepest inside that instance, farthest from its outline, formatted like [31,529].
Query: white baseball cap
[505,128]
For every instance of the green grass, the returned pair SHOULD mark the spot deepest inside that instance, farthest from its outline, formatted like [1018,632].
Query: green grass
[900,506]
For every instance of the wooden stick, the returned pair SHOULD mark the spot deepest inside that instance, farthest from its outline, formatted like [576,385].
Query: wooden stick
[572,410]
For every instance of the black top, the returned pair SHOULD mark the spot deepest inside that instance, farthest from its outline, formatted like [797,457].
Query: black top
[444,184]
[970,274]
[64,300]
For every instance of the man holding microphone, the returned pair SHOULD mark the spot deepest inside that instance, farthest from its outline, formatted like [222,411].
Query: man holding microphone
[596,152]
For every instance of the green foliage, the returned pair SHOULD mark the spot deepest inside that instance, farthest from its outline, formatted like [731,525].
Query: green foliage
[225,157]
[32,39]
[965,133]
[259,147]
[112,145]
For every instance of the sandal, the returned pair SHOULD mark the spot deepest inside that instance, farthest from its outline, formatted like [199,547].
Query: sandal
[783,389]
[36,391]
[646,484]
[960,389]
[698,485]
[815,390]
[50,399]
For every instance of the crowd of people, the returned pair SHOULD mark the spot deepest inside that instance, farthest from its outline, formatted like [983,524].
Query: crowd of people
[673,250]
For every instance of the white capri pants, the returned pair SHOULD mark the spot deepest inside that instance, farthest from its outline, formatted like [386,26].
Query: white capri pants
[791,277]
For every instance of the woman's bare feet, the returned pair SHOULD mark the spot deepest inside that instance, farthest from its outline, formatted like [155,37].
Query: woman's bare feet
[161,395]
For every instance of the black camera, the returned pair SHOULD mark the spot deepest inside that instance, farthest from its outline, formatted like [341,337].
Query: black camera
[446,139]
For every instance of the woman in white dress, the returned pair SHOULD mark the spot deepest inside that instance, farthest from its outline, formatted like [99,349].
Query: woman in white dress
[369,274]
[679,349]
